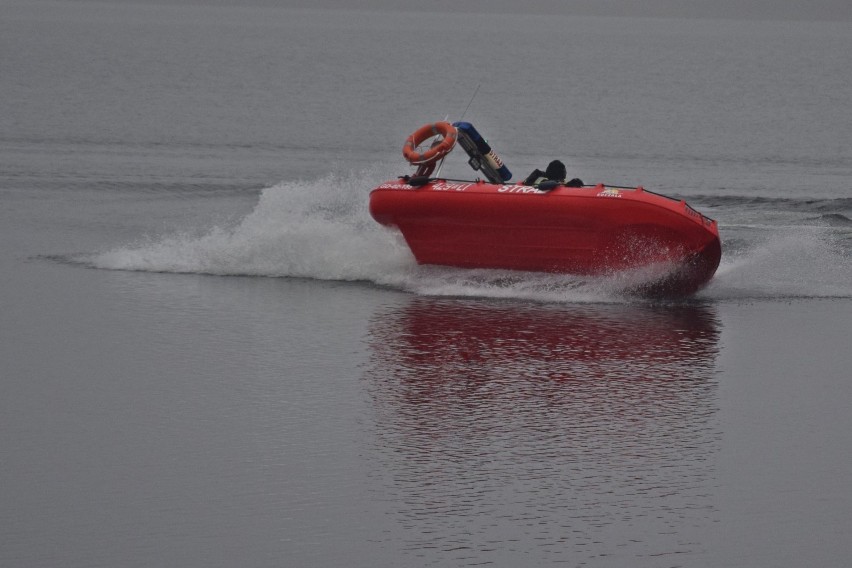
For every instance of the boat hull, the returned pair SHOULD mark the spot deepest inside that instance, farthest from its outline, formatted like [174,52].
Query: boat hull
[588,231]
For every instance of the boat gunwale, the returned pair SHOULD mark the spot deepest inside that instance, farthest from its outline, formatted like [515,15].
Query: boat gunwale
[427,183]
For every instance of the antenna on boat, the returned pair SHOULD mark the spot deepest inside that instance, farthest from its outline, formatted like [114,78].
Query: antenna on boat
[470,102]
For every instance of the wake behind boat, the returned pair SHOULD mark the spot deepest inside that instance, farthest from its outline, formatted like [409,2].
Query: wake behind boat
[548,226]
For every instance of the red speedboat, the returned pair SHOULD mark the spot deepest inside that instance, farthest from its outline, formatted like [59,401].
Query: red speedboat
[588,230]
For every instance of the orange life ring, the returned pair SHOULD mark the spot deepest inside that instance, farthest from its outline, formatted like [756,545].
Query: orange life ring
[437,151]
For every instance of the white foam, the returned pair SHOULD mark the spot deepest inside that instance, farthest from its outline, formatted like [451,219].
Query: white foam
[788,262]
[315,229]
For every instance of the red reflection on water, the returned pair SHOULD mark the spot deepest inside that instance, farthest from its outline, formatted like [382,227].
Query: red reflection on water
[444,341]
[596,421]
[587,430]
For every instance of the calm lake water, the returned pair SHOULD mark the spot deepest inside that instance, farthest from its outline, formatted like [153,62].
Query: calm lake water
[210,355]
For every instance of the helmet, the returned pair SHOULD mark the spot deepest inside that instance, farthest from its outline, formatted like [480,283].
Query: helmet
[556,171]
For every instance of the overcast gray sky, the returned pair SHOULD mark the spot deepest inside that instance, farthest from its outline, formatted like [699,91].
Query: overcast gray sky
[750,9]
[818,10]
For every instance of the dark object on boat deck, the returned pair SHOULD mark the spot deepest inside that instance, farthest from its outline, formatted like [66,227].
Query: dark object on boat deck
[548,185]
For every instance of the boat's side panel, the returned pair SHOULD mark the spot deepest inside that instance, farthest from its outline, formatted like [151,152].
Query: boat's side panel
[568,230]
[490,231]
